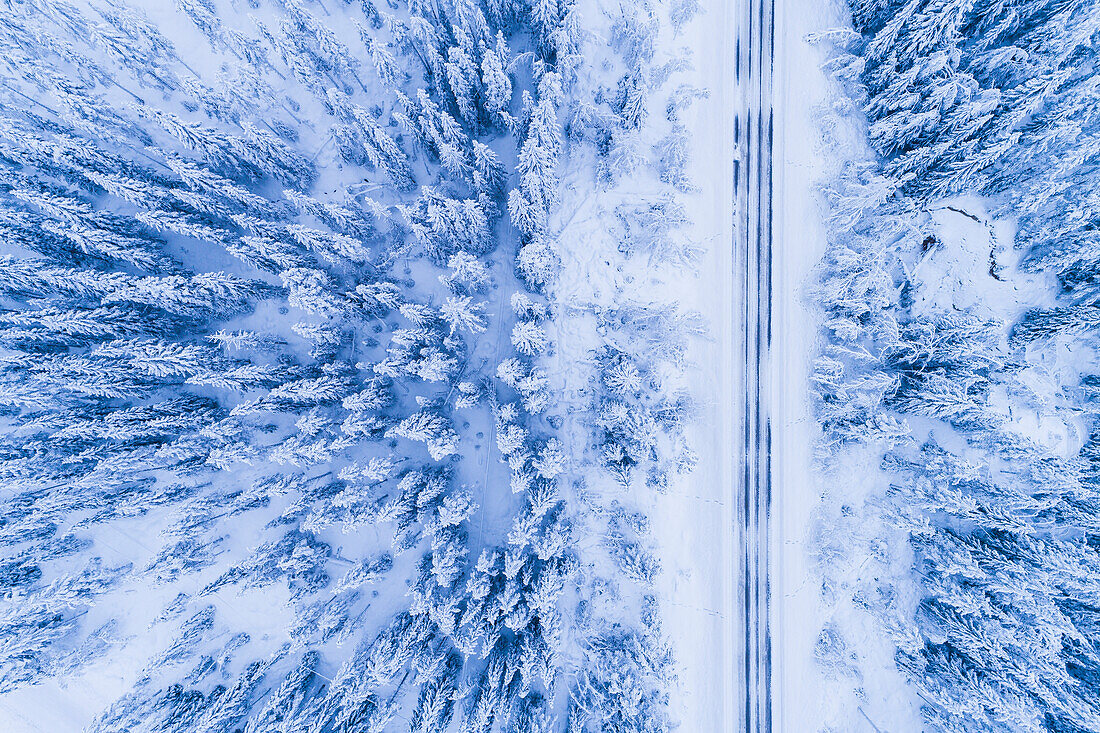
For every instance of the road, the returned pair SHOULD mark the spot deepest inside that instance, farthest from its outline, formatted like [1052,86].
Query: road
[715,531]
[752,327]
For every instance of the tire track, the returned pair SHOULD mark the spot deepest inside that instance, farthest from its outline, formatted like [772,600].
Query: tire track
[752,263]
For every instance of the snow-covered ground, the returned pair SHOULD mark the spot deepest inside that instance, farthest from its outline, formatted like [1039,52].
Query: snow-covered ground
[692,520]
[697,516]
[805,698]
[800,90]
[695,520]
[810,150]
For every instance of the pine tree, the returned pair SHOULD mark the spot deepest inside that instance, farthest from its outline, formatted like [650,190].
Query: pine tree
[430,428]
[495,79]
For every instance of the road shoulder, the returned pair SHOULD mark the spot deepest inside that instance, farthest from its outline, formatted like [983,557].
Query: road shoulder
[696,516]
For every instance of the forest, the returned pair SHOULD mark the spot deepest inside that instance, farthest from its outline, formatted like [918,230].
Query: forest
[276,307]
[979,404]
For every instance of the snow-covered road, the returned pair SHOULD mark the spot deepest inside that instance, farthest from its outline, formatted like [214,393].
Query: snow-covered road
[752,263]
[777,240]
[721,628]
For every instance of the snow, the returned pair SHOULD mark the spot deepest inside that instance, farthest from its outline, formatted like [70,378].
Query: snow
[692,520]
[972,267]
[800,163]
[808,152]
[695,533]
[643,331]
